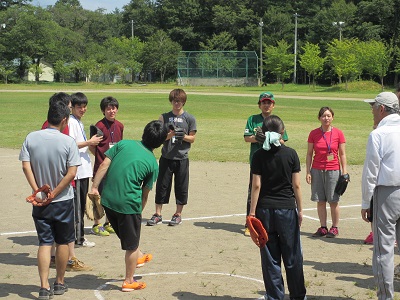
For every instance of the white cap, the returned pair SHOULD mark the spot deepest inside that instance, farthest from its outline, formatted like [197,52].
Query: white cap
[388,99]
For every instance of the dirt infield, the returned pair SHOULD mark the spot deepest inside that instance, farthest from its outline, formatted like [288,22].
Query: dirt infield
[206,257]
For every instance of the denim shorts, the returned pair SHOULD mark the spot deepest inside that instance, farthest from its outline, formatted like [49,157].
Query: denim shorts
[55,222]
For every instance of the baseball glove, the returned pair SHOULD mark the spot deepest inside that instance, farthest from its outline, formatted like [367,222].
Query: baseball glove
[94,130]
[257,231]
[36,201]
[94,209]
[259,135]
[179,134]
[341,184]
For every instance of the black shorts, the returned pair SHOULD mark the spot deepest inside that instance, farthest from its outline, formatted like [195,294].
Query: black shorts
[180,170]
[55,223]
[127,228]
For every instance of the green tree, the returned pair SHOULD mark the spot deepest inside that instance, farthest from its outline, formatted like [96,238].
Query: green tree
[127,52]
[279,61]
[160,54]
[31,38]
[62,68]
[375,58]
[343,57]
[311,61]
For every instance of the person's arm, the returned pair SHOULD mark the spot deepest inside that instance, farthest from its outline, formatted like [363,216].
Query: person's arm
[310,150]
[255,193]
[190,138]
[342,157]
[65,182]
[145,196]
[297,195]
[101,172]
[250,139]
[94,141]
[27,169]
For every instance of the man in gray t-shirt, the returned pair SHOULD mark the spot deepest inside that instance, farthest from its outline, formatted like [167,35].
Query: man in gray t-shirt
[50,157]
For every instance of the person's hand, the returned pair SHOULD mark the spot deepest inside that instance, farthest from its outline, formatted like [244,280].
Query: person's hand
[95,140]
[365,213]
[300,215]
[95,191]
[308,178]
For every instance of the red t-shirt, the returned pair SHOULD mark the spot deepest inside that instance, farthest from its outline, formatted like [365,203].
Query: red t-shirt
[113,133]
[322,142]
[46,124]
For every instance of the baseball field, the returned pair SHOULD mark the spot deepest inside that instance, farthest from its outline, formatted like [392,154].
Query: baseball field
[207,256]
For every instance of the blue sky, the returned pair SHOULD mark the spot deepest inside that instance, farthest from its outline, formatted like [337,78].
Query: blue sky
[109,5]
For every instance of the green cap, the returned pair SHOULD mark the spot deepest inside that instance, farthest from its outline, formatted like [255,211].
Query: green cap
[266,96]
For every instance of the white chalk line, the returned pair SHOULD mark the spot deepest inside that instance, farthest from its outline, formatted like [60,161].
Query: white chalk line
[201,218]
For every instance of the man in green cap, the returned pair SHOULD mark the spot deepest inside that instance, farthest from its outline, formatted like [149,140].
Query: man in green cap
[266,103]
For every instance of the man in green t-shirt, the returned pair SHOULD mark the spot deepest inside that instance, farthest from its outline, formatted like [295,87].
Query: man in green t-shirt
[131,170]
[266,103]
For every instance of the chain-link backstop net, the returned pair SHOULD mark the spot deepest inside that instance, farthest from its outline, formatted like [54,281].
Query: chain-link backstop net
[229,67]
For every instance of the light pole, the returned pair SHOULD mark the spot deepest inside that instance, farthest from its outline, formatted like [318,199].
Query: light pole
[295,48]
[132,28]
[261,24]
[339,24]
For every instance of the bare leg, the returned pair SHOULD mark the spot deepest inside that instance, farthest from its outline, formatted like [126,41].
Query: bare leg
[179,209]
[130,264]
[335,213]
[71,250]
[158,209]
[62,253]
[321,208]
[43,257]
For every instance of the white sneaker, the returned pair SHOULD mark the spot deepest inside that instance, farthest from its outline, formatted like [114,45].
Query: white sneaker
[88,244]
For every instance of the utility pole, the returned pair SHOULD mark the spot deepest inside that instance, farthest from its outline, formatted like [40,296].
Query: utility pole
[261,24]
[295,48]
[132,30]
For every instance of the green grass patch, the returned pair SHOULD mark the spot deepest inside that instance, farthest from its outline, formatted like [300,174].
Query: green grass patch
[221,118]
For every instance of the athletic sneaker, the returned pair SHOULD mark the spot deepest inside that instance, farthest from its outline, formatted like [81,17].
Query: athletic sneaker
[144,259]
[176,220]
[60,288]
[98,229]
[155,219]
[333,232]
[322,231]
[136,285]
[88,244]
[369,240]
[76,265]
[45,294]
[247,232]
[108,228]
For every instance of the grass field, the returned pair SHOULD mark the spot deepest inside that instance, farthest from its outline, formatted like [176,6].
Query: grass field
[221,114]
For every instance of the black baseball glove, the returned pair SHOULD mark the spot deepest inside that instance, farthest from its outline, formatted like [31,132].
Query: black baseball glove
[341,184]
[94,130]
[259,135]
[179,134]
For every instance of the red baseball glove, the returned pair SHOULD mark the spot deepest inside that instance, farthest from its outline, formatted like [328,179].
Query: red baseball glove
[257,231]
[35,201]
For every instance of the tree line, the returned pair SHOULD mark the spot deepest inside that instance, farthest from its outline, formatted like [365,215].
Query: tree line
[336,39]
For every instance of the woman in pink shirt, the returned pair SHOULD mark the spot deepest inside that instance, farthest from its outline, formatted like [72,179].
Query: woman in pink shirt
[327,143]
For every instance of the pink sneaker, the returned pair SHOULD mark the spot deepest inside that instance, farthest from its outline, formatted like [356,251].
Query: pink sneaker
[369,240]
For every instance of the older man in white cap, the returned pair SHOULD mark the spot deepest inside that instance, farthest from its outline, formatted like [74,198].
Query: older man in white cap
[381,179]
